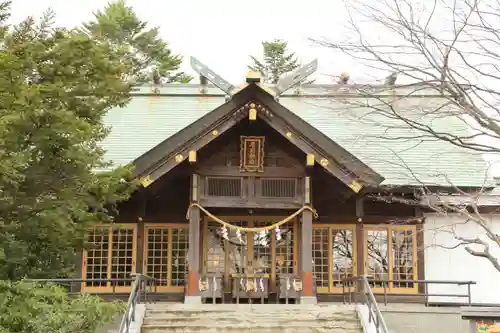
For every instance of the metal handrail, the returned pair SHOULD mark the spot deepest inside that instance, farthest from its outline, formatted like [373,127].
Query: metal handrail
[385,285]
[373,309]
[139,285]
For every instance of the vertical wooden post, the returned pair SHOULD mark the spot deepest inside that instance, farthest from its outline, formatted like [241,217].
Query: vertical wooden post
[308,295]
[420,249]
[360,245]
[192,295]
[141,216]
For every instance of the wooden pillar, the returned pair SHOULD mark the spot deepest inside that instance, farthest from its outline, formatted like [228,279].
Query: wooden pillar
[141,217]
[360,241]
[308,295]
[420,250]
[192,295]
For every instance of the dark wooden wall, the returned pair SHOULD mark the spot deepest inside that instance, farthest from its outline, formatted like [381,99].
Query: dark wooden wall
[167,200]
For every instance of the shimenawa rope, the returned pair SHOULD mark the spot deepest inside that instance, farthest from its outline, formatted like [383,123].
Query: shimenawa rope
[248,229]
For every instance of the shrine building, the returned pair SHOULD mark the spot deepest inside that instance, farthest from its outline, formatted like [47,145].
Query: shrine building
[260,191]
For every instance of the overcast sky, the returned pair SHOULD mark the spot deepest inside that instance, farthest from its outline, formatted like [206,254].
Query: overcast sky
[223,33]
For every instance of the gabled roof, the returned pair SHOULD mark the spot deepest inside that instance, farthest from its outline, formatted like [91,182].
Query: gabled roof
[173,150]
[160,124]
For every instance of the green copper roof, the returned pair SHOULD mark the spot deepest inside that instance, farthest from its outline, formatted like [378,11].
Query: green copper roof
[380,142]
[148,120]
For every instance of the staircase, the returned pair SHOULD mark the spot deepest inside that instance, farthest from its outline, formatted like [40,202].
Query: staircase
[243,318]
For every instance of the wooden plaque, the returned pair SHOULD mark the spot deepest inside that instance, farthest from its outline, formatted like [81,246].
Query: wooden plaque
[252,154]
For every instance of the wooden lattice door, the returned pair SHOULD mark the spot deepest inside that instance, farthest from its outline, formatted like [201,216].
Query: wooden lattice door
[334,256]
[110,256]
[390,254]
[165,255]
[250,252]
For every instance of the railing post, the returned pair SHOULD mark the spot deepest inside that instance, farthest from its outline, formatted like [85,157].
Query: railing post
[469,293]
[385,293]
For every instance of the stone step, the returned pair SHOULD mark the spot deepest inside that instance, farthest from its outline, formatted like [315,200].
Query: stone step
[244,318]
[175,307]
[252,322]
[309,315]
[246,329]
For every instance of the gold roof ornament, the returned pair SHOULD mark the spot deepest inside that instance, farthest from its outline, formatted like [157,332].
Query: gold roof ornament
[344,78]
[253,77]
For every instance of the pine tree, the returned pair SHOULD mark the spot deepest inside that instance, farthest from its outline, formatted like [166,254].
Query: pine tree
[276,61]
[147,56]
[56,87]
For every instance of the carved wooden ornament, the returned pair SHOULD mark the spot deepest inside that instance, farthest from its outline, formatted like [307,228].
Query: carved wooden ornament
[252,154]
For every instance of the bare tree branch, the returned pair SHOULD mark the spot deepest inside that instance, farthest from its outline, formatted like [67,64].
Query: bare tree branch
[444,56]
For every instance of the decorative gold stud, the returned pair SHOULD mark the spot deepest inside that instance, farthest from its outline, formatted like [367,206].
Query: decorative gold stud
[192,156]
[252,114]
[215,132]
[355,186]
[324,162]
[289,134]
[146,181]
[310,160]
[179,158]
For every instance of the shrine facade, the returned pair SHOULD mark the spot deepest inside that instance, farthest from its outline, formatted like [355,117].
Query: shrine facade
[246,194]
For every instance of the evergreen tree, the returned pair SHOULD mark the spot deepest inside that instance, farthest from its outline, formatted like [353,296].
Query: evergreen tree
[147,56]
[276,61]
[36,308]
[56,87]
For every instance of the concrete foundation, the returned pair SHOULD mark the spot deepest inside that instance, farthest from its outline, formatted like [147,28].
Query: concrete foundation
[308,300]
[192,300]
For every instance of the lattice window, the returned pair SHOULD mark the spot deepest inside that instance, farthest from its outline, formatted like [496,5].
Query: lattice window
[343,257]
[320,257]
[165,255]
[97,257]
[221,255]
[223,187]
[262,256]
[157,254]
[252,252]
[390,254]
[122,255]
[377,256]
[180,244]
[111,256]
[278,188]
[403,258]
[334,256]
[285,250]
[214,248]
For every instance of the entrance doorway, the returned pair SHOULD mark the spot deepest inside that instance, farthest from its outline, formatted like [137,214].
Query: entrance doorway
[270,253]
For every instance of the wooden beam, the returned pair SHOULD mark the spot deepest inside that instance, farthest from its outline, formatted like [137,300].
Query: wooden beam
[330,165]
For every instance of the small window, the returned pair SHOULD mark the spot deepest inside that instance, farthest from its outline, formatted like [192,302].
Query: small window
[224,187]
[278,188]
